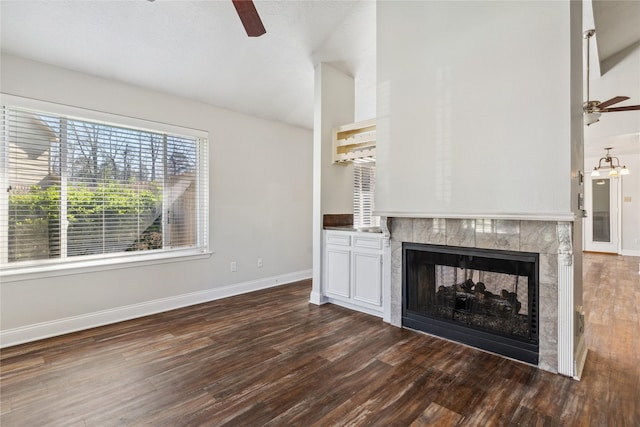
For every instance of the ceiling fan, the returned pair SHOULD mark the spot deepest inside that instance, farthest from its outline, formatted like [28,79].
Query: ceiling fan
[249,17]
[594,109]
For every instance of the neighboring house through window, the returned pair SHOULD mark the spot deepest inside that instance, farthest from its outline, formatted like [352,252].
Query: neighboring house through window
[83,189]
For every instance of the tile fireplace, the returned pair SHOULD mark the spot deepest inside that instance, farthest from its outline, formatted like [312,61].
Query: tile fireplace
[550,307]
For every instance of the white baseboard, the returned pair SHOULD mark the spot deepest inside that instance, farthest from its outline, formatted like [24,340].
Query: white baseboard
[317,298]
[581,358]
[355,307]
[629,252]
[66,325]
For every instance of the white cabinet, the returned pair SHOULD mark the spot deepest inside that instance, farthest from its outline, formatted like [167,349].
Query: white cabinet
[366,277]
[338,261]
[353,270]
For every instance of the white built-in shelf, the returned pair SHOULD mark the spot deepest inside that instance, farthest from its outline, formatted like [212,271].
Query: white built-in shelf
[354,141]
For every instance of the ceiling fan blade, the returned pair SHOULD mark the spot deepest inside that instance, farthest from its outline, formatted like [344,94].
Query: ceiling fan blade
[627,108]
[612,101]
[249,17]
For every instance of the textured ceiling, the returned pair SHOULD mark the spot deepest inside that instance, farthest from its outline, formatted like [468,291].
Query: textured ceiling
[199,49]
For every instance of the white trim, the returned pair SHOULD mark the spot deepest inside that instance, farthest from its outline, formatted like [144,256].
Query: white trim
[581,358]
[566,310]
[67,325]
[317,234]
[619,214]
[98,116]
[317,298]
[565,315]
[100,264]
[34,269]
[567,216]
[354,307]
[386,273]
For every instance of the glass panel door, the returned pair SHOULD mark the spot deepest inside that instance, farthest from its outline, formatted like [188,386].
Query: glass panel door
[601,223]
[601,204]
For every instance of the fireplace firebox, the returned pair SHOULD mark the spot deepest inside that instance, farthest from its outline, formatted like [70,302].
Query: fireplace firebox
[480,297]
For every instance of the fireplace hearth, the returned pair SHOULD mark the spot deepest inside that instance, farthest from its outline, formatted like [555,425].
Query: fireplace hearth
[481,297]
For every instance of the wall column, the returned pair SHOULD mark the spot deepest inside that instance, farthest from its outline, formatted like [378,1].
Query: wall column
[332,185]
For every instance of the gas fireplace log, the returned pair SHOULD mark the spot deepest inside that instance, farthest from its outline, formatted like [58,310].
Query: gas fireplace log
[474,298]
[467,285]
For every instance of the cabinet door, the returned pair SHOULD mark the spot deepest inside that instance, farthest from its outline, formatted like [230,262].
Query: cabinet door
[367,277]
[337,274]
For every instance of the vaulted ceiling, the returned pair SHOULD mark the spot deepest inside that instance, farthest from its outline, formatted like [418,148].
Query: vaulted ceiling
[199,49]
[617,24]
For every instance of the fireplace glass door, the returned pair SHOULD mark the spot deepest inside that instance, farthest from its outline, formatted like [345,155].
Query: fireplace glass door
[479,297]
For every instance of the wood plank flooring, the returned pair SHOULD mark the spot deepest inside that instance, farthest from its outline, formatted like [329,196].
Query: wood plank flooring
[271,358]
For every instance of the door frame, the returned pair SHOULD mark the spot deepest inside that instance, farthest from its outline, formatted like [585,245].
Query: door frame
[615,223]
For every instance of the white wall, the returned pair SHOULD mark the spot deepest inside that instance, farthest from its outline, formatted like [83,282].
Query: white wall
[260,199]
[630,212]
[351,49]
[475,109]
[332,184]
[335,95]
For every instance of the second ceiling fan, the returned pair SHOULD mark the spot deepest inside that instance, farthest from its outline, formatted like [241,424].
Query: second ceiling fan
[593,109]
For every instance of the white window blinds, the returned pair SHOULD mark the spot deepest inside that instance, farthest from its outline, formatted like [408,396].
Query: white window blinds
[77,188]
[364,178]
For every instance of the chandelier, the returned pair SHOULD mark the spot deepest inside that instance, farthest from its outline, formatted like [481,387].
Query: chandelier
[610,163]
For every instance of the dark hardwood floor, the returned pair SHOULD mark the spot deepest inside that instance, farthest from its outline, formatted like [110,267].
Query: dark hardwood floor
[271,358]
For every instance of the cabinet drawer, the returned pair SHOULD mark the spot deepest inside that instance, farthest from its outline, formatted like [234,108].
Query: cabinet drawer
[342,239]
[367,242]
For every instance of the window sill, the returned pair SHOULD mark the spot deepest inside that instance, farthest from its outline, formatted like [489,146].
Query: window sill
[93,266]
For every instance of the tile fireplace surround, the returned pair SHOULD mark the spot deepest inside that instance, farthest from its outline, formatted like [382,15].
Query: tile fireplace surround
[551,239]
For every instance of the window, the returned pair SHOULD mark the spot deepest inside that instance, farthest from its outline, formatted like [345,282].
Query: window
[364,178]
[79,189]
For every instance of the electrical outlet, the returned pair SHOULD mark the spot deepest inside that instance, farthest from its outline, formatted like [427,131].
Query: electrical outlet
[233,266]
[259,262]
